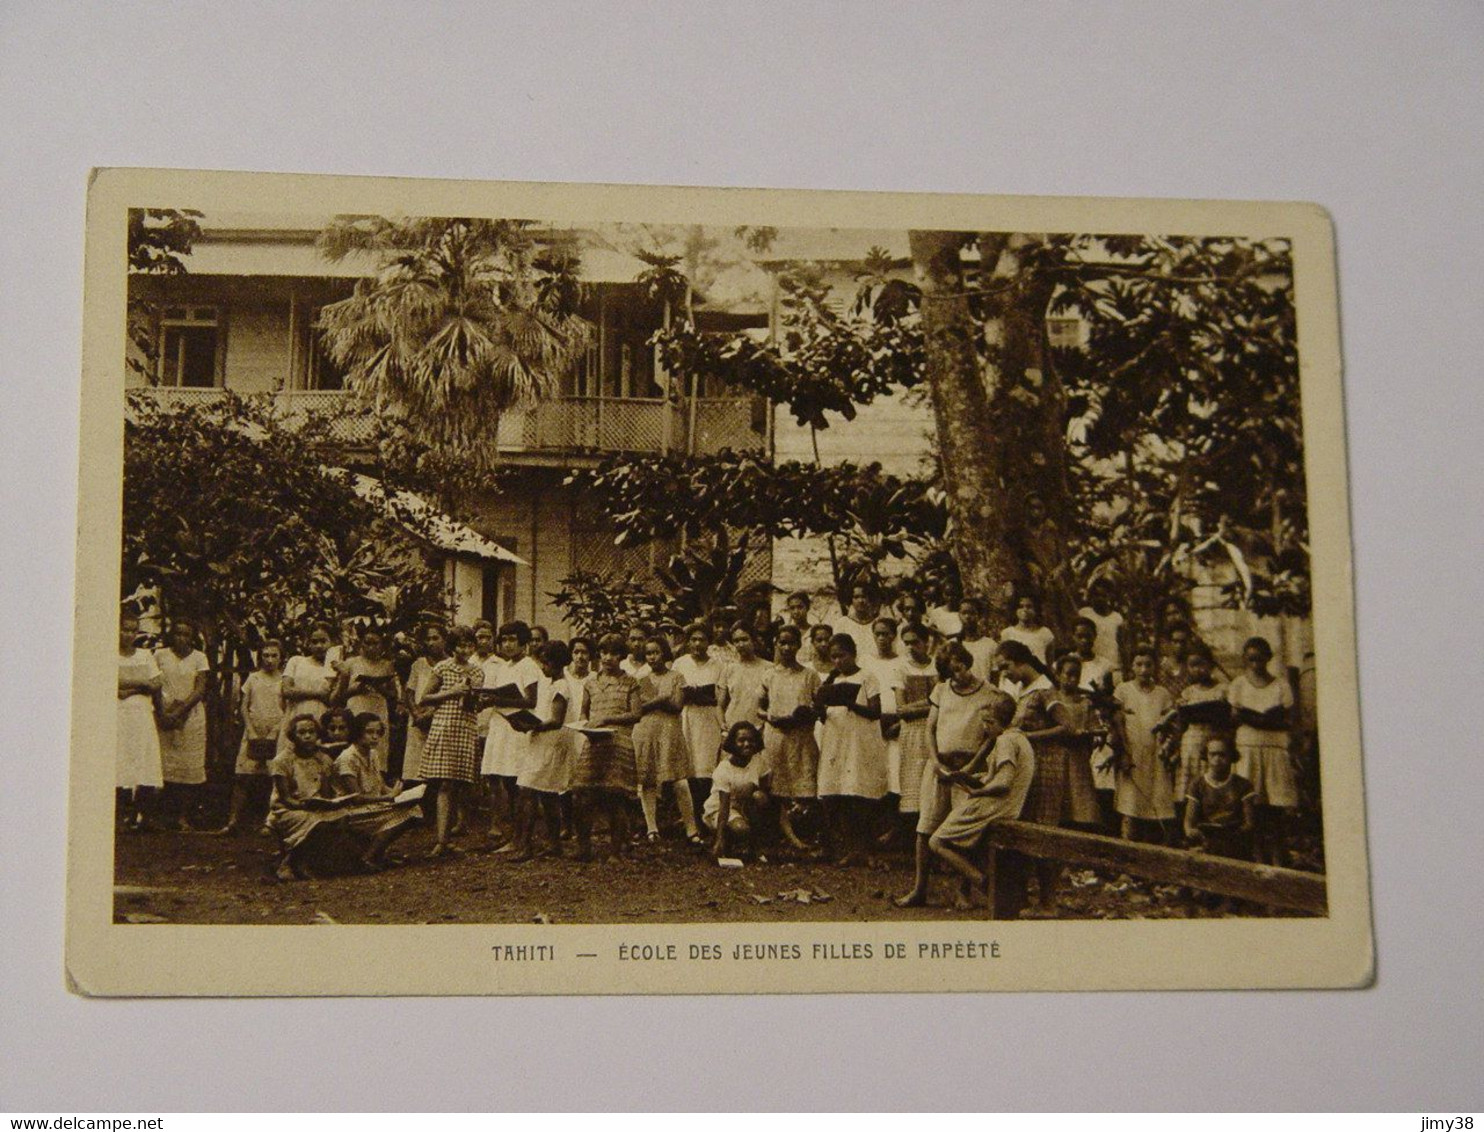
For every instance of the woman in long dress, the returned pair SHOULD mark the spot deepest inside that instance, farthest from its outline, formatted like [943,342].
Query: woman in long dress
[184,675]
[790,751]
[1145,791]
[138,767]
[700,719]
[1262,709]
[852,753]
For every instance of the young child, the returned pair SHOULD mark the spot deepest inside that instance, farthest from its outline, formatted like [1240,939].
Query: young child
[1145,792]
[852,753]
[504,747]
[138,768]
[1220,806]
[700,719]
[742,683]
[1262,709]
[1028,629]
[790,749]
[450,758]
[605,775]
[959,734]
[546,768]
[302,782]
[998,794]
[739,789]
[185,675]
[262,719]
[659,743]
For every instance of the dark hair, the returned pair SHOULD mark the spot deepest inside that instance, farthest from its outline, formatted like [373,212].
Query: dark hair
[1003,711]
[482,623]
[889,622]
[460,635]
[955,650]
[542,629]
[977,604]
[1199,648]
[845,641]
[1088,621]
[1027,595]
[1017,652]
[743,627]
[916,628]
[1259,643]
[517,629]
[302,717]
[373,627]
[337,713]
[1066,657]
[698,627]
[729,744]
[1221,736]
[362,720]
[556,654]
[271,643]
[1144,650]
[821,627]
[800,595]
[791,631]
[581,640]
[429,627]
[667,654]
[316,626]
[611,644]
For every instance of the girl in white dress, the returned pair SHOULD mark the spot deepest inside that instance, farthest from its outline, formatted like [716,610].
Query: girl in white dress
[546,764]
[138,767]
[504,747]
[311,682]
[184,673]
[700,718]
[741,685]
[852,753]
[262,716]
[1028,629]
[1262,709]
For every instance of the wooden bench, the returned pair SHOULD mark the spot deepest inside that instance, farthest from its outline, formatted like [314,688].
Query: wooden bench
[1225,876]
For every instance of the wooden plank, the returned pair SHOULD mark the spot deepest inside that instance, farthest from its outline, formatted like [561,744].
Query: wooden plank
[1225,876]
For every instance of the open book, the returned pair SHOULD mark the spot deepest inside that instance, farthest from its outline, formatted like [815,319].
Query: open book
[411,794]
[504,696]
[522,721]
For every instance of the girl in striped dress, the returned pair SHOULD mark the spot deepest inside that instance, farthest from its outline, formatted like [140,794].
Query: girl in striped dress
[450,762]
[605,775]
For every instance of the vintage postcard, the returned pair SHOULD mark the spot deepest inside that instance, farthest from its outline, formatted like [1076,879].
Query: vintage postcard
[561,589]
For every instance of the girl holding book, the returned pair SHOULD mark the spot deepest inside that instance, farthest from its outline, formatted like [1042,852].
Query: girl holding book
[789,747]
[660,754]
[1201,711]
[852,753]
[371,813]
[450,757]
[742,682]
[605,776]
[514,690]
[1145,792]
[262,718]
[1262,709]
[371,685]
[700,719]
[311,681]
[138,766]
[546,766]
[433,648]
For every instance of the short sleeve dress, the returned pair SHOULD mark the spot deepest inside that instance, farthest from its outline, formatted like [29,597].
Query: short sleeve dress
[1263,756]
[971,816]
[913,684]
[505,747]
[1193,737]
[659,744]
[262,717]
[183,748]
[1038,640]
[452,748]
[419,719]
[139,740]
[1146,787]
[374,700]
[852,753]
[311,776]
[546,765]
[608,763]
[314,677]
[1062,791]
[701,724]
[744,685]
[791,753]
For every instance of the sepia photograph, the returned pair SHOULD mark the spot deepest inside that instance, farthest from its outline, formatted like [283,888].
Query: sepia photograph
[514,569]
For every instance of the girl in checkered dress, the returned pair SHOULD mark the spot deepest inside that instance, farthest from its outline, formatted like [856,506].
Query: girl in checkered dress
[450,760]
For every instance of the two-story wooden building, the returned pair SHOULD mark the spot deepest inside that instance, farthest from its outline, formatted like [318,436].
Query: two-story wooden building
[242,318]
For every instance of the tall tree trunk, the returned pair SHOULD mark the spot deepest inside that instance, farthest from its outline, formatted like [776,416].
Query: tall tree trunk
[974,452]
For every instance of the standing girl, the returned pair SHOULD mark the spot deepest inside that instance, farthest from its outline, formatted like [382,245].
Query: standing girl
[433,647]
[1108,624]
[1028,629]
[916,676]
[700,719]
[742,683]
[605,775]
[262,719]
[1145,791]
[852,753]
[371,685]
[139,766]
[514,689]
[659,743]
[1063,728]
[1262,709]
[546,766]
[450,757]
[1201,712]
[184,674]
[790,750]
[310,681]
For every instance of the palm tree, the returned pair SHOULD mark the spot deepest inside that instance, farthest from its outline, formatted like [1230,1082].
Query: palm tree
[465,319]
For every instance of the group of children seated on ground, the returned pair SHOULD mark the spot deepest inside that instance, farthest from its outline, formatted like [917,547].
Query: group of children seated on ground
[820,739]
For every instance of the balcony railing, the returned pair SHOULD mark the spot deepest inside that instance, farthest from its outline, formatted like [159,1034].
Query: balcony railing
[567,426]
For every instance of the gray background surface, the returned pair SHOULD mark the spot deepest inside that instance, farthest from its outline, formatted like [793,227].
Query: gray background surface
[1372,110]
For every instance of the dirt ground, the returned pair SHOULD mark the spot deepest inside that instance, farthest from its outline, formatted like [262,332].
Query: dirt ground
[199,879]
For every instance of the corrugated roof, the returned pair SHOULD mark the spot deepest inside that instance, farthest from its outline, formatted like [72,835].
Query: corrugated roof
[427,522]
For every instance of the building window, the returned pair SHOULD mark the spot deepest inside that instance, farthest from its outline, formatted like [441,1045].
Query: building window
[190,347]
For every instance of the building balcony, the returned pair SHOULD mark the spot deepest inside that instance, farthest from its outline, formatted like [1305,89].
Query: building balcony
[568,430]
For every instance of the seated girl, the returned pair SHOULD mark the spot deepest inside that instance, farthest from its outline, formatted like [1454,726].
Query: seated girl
[739,789]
